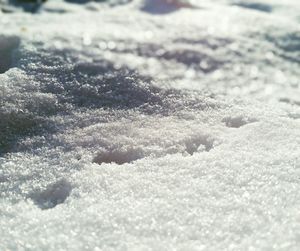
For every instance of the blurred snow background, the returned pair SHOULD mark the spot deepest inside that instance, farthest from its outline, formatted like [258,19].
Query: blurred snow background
[150,125]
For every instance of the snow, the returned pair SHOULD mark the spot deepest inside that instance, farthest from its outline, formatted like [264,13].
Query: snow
[150,125]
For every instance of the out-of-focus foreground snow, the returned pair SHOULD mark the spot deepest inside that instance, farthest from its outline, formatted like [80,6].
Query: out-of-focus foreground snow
[150,126]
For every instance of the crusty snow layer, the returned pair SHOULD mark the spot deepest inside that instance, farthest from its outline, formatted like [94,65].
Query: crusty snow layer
[150,125]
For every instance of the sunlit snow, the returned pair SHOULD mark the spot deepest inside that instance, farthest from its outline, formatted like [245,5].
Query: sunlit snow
[150,125]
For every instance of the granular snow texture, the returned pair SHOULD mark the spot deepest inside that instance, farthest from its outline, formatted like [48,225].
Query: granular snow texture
[150,125]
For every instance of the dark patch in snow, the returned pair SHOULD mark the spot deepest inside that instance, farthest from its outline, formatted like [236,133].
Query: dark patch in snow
[61,83]
[118,156]
[28,5]
[289,101]
[3,179]
[294,116]
[126,154]
[288,43]
[53,195]
[102,84]
[255,6]
[237,122]
[84,1]
[199,144]
[7,46]
[14,125]
[165,6]
[199,60]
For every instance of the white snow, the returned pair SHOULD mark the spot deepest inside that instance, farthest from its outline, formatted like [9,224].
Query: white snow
[150,125]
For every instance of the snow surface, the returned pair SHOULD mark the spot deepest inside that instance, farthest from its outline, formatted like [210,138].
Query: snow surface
[150,125]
